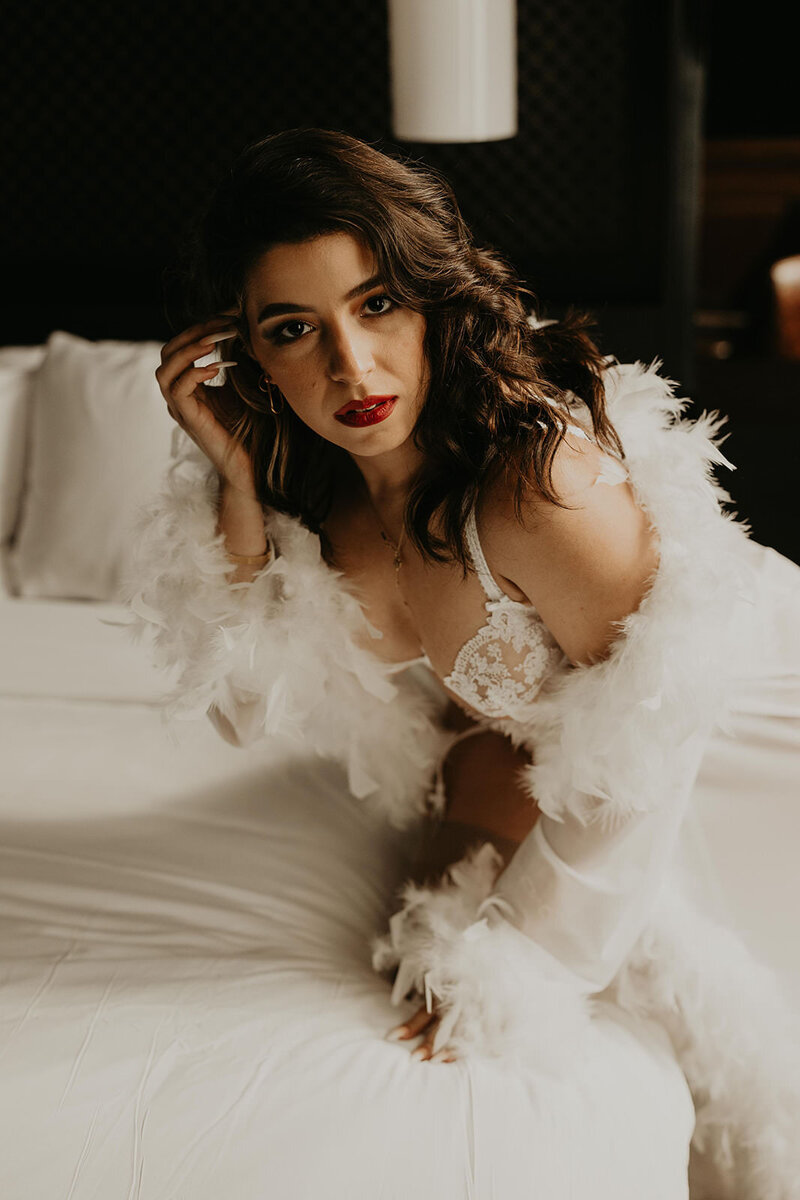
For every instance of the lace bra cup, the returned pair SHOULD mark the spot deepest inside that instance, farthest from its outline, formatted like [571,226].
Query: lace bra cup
[499,671]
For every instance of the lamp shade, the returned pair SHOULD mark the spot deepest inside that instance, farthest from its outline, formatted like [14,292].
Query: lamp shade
[453,69]
[785,276]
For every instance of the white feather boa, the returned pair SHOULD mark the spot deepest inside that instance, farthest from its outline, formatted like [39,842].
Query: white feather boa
[604,736]
[604,739]
[489,979]
[738,1044]
[502,996]
[289,644]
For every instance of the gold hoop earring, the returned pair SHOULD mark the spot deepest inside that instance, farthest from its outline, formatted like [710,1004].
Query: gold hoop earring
[263,380]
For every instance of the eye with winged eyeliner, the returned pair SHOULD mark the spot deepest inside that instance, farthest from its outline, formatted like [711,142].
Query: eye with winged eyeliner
[278,333]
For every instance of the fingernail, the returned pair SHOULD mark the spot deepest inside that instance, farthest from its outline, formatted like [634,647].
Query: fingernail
[225,364]
[220,337]
[420,1052]
[399,1031]
[442,1056]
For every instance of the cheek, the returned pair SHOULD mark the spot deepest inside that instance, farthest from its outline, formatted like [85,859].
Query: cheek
[421,371]
[294,374]
[411,348]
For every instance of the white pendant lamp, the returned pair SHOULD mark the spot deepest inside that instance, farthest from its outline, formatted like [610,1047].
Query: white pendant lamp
[453,69]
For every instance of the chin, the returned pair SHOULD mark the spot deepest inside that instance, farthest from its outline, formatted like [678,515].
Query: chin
[378,444]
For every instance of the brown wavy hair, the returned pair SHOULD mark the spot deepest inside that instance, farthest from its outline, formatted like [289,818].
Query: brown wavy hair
[498,387]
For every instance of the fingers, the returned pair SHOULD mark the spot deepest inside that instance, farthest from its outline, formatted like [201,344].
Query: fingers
[420,1020]
[197,347]
[177,376]
[181,383]
[197,333]
[424,1050]
[427,1024]
[178,381]
[178,393]
[175,363]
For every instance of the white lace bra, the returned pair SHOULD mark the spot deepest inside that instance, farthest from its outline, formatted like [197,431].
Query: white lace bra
[499,671]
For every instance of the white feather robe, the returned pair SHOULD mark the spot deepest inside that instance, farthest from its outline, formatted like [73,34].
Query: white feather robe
[587,904]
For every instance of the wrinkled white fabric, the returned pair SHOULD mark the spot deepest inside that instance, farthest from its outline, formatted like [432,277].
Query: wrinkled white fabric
[187,1007]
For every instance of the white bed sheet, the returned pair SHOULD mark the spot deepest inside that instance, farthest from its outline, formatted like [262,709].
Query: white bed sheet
[187,1007]
[52,648]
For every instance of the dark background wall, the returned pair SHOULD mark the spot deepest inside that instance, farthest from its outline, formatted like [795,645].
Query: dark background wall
[641,129]
[123,115]
[748,218]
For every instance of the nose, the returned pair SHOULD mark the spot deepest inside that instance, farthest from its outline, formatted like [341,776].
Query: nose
[350,356]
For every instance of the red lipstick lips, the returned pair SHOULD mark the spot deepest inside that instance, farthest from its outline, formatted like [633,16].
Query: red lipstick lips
[360,405]
[370,411]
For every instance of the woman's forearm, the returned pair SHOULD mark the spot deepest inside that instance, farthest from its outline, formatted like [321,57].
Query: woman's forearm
[241,520]
[481,775]
[485,800]
[447,842]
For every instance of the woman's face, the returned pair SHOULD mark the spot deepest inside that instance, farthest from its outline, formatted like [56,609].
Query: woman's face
[325,332]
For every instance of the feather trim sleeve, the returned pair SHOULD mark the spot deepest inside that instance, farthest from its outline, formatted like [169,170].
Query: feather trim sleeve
[282,655]
[604,736]
[499,994]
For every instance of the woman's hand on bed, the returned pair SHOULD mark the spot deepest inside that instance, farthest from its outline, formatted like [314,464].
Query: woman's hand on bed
[425,1023]
[190,403]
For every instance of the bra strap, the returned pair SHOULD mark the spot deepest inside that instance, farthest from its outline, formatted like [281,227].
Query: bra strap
[488,582]
[479,559]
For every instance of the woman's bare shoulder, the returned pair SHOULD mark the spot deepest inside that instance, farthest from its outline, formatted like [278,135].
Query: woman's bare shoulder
[582,567]
[576,465]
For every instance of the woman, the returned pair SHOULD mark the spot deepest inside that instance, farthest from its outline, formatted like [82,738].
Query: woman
[400,453]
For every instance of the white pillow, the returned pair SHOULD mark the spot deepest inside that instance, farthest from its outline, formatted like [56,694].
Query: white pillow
[99,444]
[17,367]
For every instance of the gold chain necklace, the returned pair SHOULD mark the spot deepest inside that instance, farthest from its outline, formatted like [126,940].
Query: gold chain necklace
[396,546]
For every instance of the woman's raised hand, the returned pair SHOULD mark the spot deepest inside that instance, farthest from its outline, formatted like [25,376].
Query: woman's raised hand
[183,387]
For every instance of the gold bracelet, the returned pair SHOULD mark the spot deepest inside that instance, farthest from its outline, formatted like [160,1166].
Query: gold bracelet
[251,559]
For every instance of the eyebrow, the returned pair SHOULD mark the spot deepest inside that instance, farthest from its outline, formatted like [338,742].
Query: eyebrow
[273,310]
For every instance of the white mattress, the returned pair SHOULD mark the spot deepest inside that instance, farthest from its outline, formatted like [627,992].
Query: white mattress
[51,648]
[187,1008]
